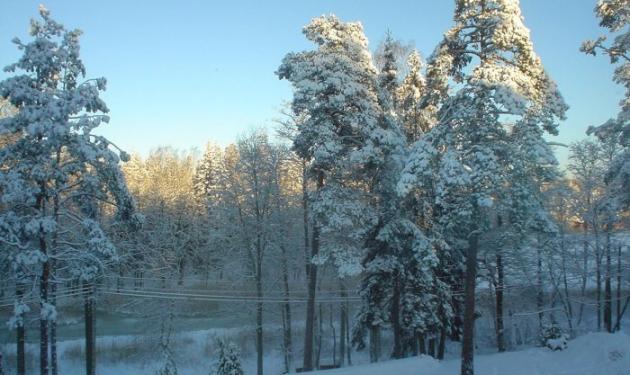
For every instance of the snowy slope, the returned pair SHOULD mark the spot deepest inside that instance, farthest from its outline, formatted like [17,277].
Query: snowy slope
[592,354]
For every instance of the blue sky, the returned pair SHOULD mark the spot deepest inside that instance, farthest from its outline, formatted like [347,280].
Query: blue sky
[183,72]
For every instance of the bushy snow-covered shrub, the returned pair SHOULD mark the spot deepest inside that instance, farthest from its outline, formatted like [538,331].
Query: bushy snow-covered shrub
[227,359]
[554,337]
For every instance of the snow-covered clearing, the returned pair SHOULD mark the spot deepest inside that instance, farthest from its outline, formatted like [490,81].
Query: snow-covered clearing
[592,354]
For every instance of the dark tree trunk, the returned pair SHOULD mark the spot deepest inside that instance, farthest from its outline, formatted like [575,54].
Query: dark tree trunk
[348,346]
[259,308]
[90,334]
[413,345]
[598,277]
[584,272]
[608,285]
[120,282]
[618,324]
[320,333]
[499,304]
[43,321]
[53,331]
[305,217]
[375,344]
[468,347]
[139,278]
[395,319]
[623,311]
[287,341]
[181,266]
[334,336]
[309,328]
[342,324]
[422,348]
[457,324]
[432,347]
[20,338]
[539,293]
[442,343]
[259,337]
[568,306]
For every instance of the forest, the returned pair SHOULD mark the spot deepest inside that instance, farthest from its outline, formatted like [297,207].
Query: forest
[398,209]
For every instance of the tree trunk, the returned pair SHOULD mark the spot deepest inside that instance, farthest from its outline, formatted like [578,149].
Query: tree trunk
[120,282]
[348,346]
[467,367]
[442,343]
[320,333]
[607,284]
[413,345]
[432,347]
[584,273]
[567,297]
[43,320]
[422,348]
[375,343]
[20,337]
[623,311]
[499,304]
[259,337]
[395,319]
[312,289]
[181,267]
[457,324]
[287,341]
[342,323]
[53,331]
[618,325]
[334,336]
[598,273]
[305,217]
[539,293]
[90,335]
[259,309]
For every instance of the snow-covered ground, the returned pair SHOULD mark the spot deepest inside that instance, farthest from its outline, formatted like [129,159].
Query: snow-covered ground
[591,354]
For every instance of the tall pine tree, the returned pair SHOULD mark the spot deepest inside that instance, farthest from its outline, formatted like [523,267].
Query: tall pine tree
[499,80]
[57,173]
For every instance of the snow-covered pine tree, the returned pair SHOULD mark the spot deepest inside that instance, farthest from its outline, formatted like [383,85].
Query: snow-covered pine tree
[207,174]
[207,186]
[426,301]
[615,16]
[434,267]
[500,79]
[388,77]
[383,264]
[227,359]
[382,282]
[57,171]
[335,88]
[413,118]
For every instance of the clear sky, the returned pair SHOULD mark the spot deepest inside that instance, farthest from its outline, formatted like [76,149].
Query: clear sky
[183,72]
